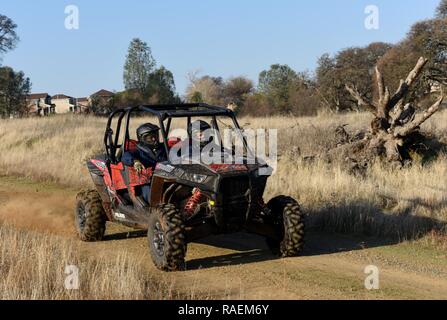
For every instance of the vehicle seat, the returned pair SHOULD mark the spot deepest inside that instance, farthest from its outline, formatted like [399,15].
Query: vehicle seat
[173,141]
[131,145]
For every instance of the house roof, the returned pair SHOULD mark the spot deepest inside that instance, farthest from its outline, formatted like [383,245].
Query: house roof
[60,96]
[82,99]
[33,96]
[103,93]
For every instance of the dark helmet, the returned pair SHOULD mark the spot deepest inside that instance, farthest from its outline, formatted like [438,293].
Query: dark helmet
[199,126]
[148,130]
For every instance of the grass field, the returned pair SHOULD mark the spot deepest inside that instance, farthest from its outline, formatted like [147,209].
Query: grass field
[33,266]
[408,204]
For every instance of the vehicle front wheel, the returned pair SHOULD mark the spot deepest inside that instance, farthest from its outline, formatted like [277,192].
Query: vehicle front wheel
[286,217]
[90,218]
[167,238]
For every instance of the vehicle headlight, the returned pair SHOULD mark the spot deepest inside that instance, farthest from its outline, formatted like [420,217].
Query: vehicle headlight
[195,177]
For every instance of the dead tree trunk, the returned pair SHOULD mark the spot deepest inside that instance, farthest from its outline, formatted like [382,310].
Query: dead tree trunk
[394,120]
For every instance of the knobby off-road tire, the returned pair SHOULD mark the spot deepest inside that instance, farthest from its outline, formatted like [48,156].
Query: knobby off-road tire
[90,218]
[288,221]
[167,238]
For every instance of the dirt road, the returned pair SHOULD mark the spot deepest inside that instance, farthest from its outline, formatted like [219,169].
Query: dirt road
[240,265]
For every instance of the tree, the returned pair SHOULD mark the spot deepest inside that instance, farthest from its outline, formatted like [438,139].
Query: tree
[275,84]
[394,129]
[236,90]
[196,97]
[8,35]
[103,106]
[14,88]
[348,66]
[329,91]
[162,86]
[256,104]
[441,10]
[138,66]
[426,38]
[429,39]
[215,90]
[206,89]
[303,96]
[131,98]
[143,82]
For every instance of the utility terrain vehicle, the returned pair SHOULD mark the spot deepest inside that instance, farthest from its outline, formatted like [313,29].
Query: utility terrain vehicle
[186,201]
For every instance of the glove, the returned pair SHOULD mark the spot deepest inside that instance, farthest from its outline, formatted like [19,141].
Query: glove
[138,166]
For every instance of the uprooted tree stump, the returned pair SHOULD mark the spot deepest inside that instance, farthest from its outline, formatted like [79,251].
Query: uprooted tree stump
[395,127]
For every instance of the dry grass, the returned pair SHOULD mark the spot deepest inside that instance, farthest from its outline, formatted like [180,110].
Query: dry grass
[406,203]
[33,266]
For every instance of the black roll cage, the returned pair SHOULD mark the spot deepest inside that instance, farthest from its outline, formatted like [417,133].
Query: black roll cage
[162,112]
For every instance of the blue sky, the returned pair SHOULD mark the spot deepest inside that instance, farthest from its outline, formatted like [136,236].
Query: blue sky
[219,38]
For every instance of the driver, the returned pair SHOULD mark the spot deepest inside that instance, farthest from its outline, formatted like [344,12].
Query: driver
[148,153]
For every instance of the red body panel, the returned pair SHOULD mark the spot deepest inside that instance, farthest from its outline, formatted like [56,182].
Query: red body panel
[114,179]
[136,179]
[228,167]
[117,177]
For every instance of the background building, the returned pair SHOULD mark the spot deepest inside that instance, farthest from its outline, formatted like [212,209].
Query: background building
[63,103]
[40,104]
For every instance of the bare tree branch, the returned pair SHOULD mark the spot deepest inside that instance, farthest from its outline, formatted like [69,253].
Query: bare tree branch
[380,84]
[361,100]
[325,101]
[405,85]
[384,95]
[417,123]
[398,110]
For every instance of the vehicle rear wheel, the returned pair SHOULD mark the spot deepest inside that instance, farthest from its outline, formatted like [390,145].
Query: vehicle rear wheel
[286,217]
[90,218]
[167,239]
